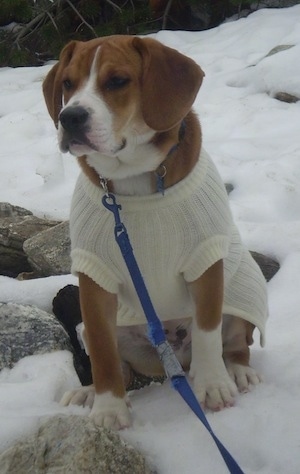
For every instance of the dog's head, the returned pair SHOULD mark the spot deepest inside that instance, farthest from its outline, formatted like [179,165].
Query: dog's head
[110,94]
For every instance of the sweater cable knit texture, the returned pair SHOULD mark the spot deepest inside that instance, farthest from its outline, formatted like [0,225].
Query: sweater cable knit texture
[175,238]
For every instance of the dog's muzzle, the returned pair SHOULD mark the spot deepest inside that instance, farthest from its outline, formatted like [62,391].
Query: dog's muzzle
[74,121]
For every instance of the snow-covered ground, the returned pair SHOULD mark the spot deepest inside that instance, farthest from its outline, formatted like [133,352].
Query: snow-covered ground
[254,140]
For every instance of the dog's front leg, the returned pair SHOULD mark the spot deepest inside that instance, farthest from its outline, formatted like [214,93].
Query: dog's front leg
[213,386]
[99,310]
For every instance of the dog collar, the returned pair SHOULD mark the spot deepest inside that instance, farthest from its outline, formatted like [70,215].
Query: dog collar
[161,171]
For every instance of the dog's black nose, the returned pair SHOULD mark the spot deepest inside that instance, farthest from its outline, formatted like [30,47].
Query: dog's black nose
[73,118]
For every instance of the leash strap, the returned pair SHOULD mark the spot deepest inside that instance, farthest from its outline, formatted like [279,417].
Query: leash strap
[156,334]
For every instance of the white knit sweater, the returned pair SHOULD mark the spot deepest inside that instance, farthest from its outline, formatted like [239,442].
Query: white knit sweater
[175,238]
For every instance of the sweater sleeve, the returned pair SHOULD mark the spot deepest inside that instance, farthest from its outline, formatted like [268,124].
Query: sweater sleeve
[89,264]
[91,231]
[204,256]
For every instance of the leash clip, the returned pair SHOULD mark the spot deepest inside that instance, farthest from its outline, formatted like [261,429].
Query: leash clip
[109,201]
[169,360]
[121,236]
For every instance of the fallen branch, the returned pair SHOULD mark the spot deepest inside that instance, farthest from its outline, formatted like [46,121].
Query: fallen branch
[28,27]
[52,21]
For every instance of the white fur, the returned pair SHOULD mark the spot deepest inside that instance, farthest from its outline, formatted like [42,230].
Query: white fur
[110,411]
[213,386]
[243,375]
[101,127]
[135,160]
[107,410]
[81,396]
[80,331]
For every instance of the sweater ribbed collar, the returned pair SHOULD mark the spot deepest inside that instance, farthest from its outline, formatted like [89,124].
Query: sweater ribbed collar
[180,191]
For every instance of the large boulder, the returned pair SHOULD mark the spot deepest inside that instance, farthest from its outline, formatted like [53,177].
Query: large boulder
[73,445]
[27,330]
[49,252]
[16,226]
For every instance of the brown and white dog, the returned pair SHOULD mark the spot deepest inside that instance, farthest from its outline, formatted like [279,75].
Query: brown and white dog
[119,104]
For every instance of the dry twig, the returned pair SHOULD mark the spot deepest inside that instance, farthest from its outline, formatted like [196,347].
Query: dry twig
[166,14]
[81,18]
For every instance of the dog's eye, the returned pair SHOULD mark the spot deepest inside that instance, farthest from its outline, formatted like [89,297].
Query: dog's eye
[67,84]
[116,82]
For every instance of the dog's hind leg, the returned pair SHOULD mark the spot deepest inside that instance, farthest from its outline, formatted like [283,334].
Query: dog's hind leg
[237,337]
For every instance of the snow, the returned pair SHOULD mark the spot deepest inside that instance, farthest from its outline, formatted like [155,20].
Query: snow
[254,140]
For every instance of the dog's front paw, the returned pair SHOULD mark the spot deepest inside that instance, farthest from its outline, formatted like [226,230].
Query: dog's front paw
[215,393]
[83,396]
[243,375]
[110,411]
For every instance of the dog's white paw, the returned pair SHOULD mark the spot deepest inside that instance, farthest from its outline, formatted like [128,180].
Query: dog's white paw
[110,411]
[83,396]
[107,410]
[244,376]
[215,393]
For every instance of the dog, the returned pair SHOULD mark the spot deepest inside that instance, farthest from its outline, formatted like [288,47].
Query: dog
[123,106]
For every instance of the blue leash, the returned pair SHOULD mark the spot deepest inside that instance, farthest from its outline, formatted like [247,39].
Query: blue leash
[157,336]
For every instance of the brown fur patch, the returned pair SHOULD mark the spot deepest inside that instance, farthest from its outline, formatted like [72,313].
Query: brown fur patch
[99,309]
[207,292]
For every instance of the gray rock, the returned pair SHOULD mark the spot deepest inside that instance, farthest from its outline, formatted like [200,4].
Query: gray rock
[285,97]
[229,187]
[278,3]
[8,210]
[279,48]
[49,252]
[27,330]
[13,262]
[16,226]
[72,445]
[268,265]
[15,230]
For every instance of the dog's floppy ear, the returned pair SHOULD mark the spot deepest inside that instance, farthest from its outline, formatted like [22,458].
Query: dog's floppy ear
[170,84]
[52,85]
